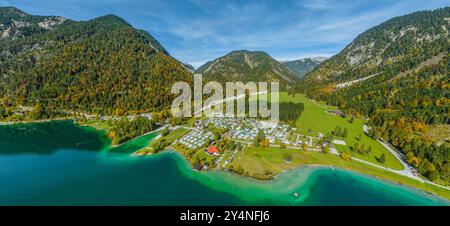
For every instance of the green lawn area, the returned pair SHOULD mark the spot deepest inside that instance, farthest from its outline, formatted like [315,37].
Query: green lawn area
[178,133]
[270,161]
[169,138]
[200,155]
[172,136]
[189,121]
[315,118]
[181,149]
[98,124]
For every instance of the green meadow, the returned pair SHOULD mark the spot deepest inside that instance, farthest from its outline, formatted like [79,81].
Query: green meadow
[267,162]
[315,119]
[171,137]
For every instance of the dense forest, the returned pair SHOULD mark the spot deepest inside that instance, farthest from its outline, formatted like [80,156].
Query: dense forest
[124,129]
[406,109]
[289,111]
[101,66]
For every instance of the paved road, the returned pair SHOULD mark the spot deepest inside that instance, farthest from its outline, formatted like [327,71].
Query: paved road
[349,83]
[407,171]
[401,173]
[227,100]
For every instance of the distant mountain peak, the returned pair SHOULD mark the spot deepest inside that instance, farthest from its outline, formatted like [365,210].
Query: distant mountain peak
[189,67]
[112,19]
[245,51]
[318,58]
[302,66]
[245,65]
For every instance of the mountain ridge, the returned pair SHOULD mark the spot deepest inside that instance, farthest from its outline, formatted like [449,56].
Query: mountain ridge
[386,44]
[395,74]
[302,66]
[101,66]
[245,66]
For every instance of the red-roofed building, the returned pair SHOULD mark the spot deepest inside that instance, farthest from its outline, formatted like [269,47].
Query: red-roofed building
[213,151]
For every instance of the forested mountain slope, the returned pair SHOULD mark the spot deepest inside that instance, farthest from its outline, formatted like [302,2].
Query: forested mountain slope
[394,46]
[244,66]
[407,97]
[101,66]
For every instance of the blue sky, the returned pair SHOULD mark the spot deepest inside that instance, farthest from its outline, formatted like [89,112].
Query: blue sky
[196,31]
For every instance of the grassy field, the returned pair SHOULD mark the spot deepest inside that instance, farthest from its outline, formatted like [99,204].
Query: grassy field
[172,136]
[315,119]
[169,138]
[98,124]
[259,162]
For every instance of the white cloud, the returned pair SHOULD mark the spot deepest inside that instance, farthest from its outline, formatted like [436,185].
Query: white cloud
[319,4]
[303,37]
[193,30]
[196,31]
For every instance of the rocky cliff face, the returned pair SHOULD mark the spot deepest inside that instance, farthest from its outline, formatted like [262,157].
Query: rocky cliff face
[15,24]
[400,42]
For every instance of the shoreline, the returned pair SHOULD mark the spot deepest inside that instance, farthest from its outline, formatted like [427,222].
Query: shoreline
[147,133]
[272,177]
[314,166]
[5,123]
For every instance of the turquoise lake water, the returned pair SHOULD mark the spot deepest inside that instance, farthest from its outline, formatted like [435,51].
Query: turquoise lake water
[61,163]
